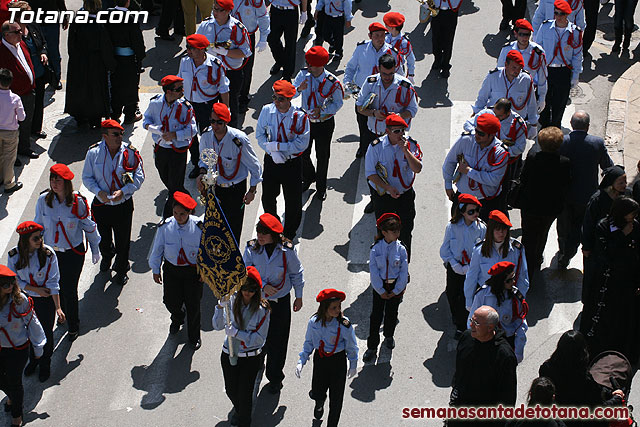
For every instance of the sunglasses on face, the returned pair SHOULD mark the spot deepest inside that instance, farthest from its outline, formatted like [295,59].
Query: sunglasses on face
[510,280]
[524,34]
[558,13]
[36,238]
[278,98]
[217,122]
[177,89]
[472,211]
[397,131]
[480,133]
[7,285]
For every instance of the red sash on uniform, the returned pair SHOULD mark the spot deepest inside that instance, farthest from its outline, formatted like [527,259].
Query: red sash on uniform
[13,312]
[321,348]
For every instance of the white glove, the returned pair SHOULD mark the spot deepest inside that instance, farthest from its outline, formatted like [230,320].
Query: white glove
[231,330]
[574,83]
[155,129]
[303,18]
[465,268]
[457,268]
[278,157]
[95,257]
[353,368]
[272,146]
[299,367]
[541,105]
[220,51]
[261,46]
[412,80]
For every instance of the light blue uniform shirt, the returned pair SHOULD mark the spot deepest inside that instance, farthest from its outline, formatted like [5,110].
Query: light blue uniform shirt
[336,8]
[253,14]
[399,97]
[388,261]
[176,117]
[276,126]
[325,87]
[460,237]
[520,92]
[233,31]
[316,333]
[286,3]
[402,44]
[478,272]
[388,155]
[171,237]
[513,131]
[101,172]
[282,269]
[46,277]
[235,155]
[364,62]
[60,217]
[203,83]
[21,328]
[447,4]
[563,46]
[512,326]
[252,336]
[488,166]
[545,12]
[535,62]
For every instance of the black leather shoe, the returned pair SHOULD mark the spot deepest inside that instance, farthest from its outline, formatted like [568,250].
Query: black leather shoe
[390,343]
[58,85]
[120,279]
[40,135]
[306,30]
[14,188]
[195,345]
[275,69]
[194,172]
[369,208]
[274,388]
[30,154]
[105,264]
[44,374]
[318,410]
[31,368]
[369,355]
[132,119]
[321,195]
[361,152]
[174,328]
[72,335]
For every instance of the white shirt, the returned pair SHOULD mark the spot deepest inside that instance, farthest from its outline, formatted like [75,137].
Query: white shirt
[19,54]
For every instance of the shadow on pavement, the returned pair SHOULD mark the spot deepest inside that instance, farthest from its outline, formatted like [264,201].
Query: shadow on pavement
[267,409]
[358,313]
[433,92]
[344,184]
[371,379]
[98,308]
[371,9]
[442,363]
[551,287]
[493,43]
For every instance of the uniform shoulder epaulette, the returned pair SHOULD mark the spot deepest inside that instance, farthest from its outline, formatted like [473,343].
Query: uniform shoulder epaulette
[345,322]
[46,190]
[405,83]
[241,25]
[156,96]
[518,294]
[411,139]
[375,141]
[516,244]
[187,103]
[200,225]
[207,129]
[506,44]
[48,252]
[526,71]
[537,50]
[372,79]
[217,61]
[331,78]
[479,243]
[288,244]
[94,145]
[237,141]
[466,132]
[207,18]
[264,303]
[361,43]
[406,36]
[13,252]
[252,243]
[547,21]
[163,221]
[479,288]
[394,50]
[520,119]
[131,147]
[493,71]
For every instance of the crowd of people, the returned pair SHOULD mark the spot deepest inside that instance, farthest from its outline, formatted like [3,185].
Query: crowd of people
[488,272]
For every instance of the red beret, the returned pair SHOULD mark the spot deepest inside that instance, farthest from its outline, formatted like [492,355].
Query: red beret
[199,41]
[62,171]
[393,19]
[500,218]
[185,200]
[488,123]
[524,24]
[222,111]
[326,294]
[376,26]
[317,56]
[111,124]
[500,267]
[225,4]
[6,271]
[516,57]
[170,79]
[284,88]
[271,222]
[394,119]
[28,227]
[386,216]
[562,6]
[253,273]
[468,199]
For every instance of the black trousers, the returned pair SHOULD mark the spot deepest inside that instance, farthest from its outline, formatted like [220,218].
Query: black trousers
[321,133]
[404,206]
[114,224]
[202,111]
[278,338]
[570,229]
[512,10]
[497,203]
[231,202]
[181,286]
[12,364]
[366,136]
[236,80]
[623,16]
[455,297]
[45,309]
[535,229]
[386,309]
[284,22]
[289,176]
[171,13]
[70,266]
[591,16]
[443,30]
[239,381]
[329,373]
[171,167]
[29,105]
[559,82]
[331,31]
[124,87]
[247,73]
[38,108]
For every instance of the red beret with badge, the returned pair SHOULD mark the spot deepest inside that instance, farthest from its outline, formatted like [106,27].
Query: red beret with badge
[562,6]
[225,4]
[271,222]
[199,41]
[500,217]
[469,199]
[62,171]
[222,111]
[317,56]
[6,271]
[516,57]
[284,88]
[326,294]
[500,267]
[394,119]
[110,124]
[376,26]
[524,24]
[185,200]
[254,274]
[28,227]
[386,216]
[170,79]
[488,123]
[393,19]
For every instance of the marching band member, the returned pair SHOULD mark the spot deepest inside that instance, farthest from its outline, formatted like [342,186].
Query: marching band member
[280,269]
[66,218]
[335,16]
[322,97]
[36,268]
[443,31]
[236,159]
[247,332]
[332,340]
[284,21]
[176,243]
[113,172]
[20,327]
[546,9]
[394,22]
[171,122]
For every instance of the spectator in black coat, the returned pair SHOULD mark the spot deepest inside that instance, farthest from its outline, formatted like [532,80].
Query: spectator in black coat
[586,152]
[545,180]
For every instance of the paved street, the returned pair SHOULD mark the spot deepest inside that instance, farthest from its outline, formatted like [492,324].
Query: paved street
[126,370]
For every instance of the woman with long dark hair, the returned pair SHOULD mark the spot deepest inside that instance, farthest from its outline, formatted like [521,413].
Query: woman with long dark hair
[36,268]
[332,340]
[20,328]
[247,333]
[66,219]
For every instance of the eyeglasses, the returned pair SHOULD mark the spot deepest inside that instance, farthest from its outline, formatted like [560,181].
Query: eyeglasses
[7,285]
[472,211]
[510,279]
[36,238]
[480,133]
[397,131]
[524,34]
[558,13]
[217,122]
[177,89]
[278,98]
[475,322]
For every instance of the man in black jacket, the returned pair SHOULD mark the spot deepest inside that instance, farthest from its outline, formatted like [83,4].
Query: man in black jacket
[485,367]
